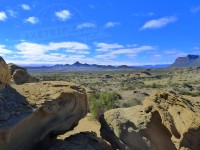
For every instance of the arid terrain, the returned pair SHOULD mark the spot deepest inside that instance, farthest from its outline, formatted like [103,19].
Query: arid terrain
[133,85]
[155,109]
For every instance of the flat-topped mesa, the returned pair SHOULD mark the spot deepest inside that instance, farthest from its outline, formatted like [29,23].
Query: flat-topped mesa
[165,121]
[4,73]
[34,114]
[186,62]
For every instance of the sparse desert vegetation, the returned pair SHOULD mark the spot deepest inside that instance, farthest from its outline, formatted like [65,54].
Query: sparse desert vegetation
[132,86]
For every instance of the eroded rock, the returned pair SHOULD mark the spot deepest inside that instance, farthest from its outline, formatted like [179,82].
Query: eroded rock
[4,73]
[13,67]
[165,121]
[21,76]
[34,114]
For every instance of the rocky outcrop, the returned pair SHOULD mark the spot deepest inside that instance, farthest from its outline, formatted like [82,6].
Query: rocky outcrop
[21,76]
[81,141]
[32,115]
[4,73]
[13,67]
[164,121]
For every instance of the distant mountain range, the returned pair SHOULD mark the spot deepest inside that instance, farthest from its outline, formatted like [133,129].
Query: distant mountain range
[186,62]
[77,66]
[180,62]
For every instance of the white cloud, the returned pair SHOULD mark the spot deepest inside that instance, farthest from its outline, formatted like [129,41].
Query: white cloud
[128,51]
[25,7]
[52,52]
[86,25]
[4,51]
[12,13]
[104,47]
[159,23]
[195,9]
[111,24]
[3,16]
[32,20]
[63,15]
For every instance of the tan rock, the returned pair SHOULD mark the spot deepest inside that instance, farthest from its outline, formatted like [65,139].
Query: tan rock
[13,67]
[165,121]
[4,73]
[33,114]
[21,76]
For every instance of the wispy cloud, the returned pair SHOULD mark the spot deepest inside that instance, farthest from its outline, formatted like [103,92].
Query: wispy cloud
[86,25]
[63,15]
[143,14]
[104,47]
[196,48]
[159,23]
[195,9]
[4,50]
[110,51]
[3,16]
[111,24]
[32,20]
[25,7]
[12,13]
[92,6]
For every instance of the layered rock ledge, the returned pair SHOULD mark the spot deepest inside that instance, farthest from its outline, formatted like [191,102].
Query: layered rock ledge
[165,121]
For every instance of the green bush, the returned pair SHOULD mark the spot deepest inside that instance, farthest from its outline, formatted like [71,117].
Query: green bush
[101,102]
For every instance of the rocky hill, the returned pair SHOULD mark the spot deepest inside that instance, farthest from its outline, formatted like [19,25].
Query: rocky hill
[186,62]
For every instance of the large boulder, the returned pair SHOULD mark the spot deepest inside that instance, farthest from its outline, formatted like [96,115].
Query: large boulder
[81,141]
[13,67]
[32,115]
[165,121]
[21,76]
[4,73]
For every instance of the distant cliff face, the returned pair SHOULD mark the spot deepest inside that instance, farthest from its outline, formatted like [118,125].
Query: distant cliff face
[188,61]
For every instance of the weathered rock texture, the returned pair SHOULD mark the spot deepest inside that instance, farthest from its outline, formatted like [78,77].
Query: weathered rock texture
[13,67]
[21,76]
[4,73]
[165,121]
[33,114]
[81,141]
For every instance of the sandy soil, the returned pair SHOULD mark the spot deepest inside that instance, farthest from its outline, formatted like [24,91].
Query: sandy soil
[85,124]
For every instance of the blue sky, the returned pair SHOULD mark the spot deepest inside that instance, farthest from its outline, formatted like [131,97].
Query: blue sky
[131,32]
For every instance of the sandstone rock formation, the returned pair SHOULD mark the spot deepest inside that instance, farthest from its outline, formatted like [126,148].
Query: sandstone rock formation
[13,67]
[21,76]
[165,121]
[4,73]
[81,141]
[33,114]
